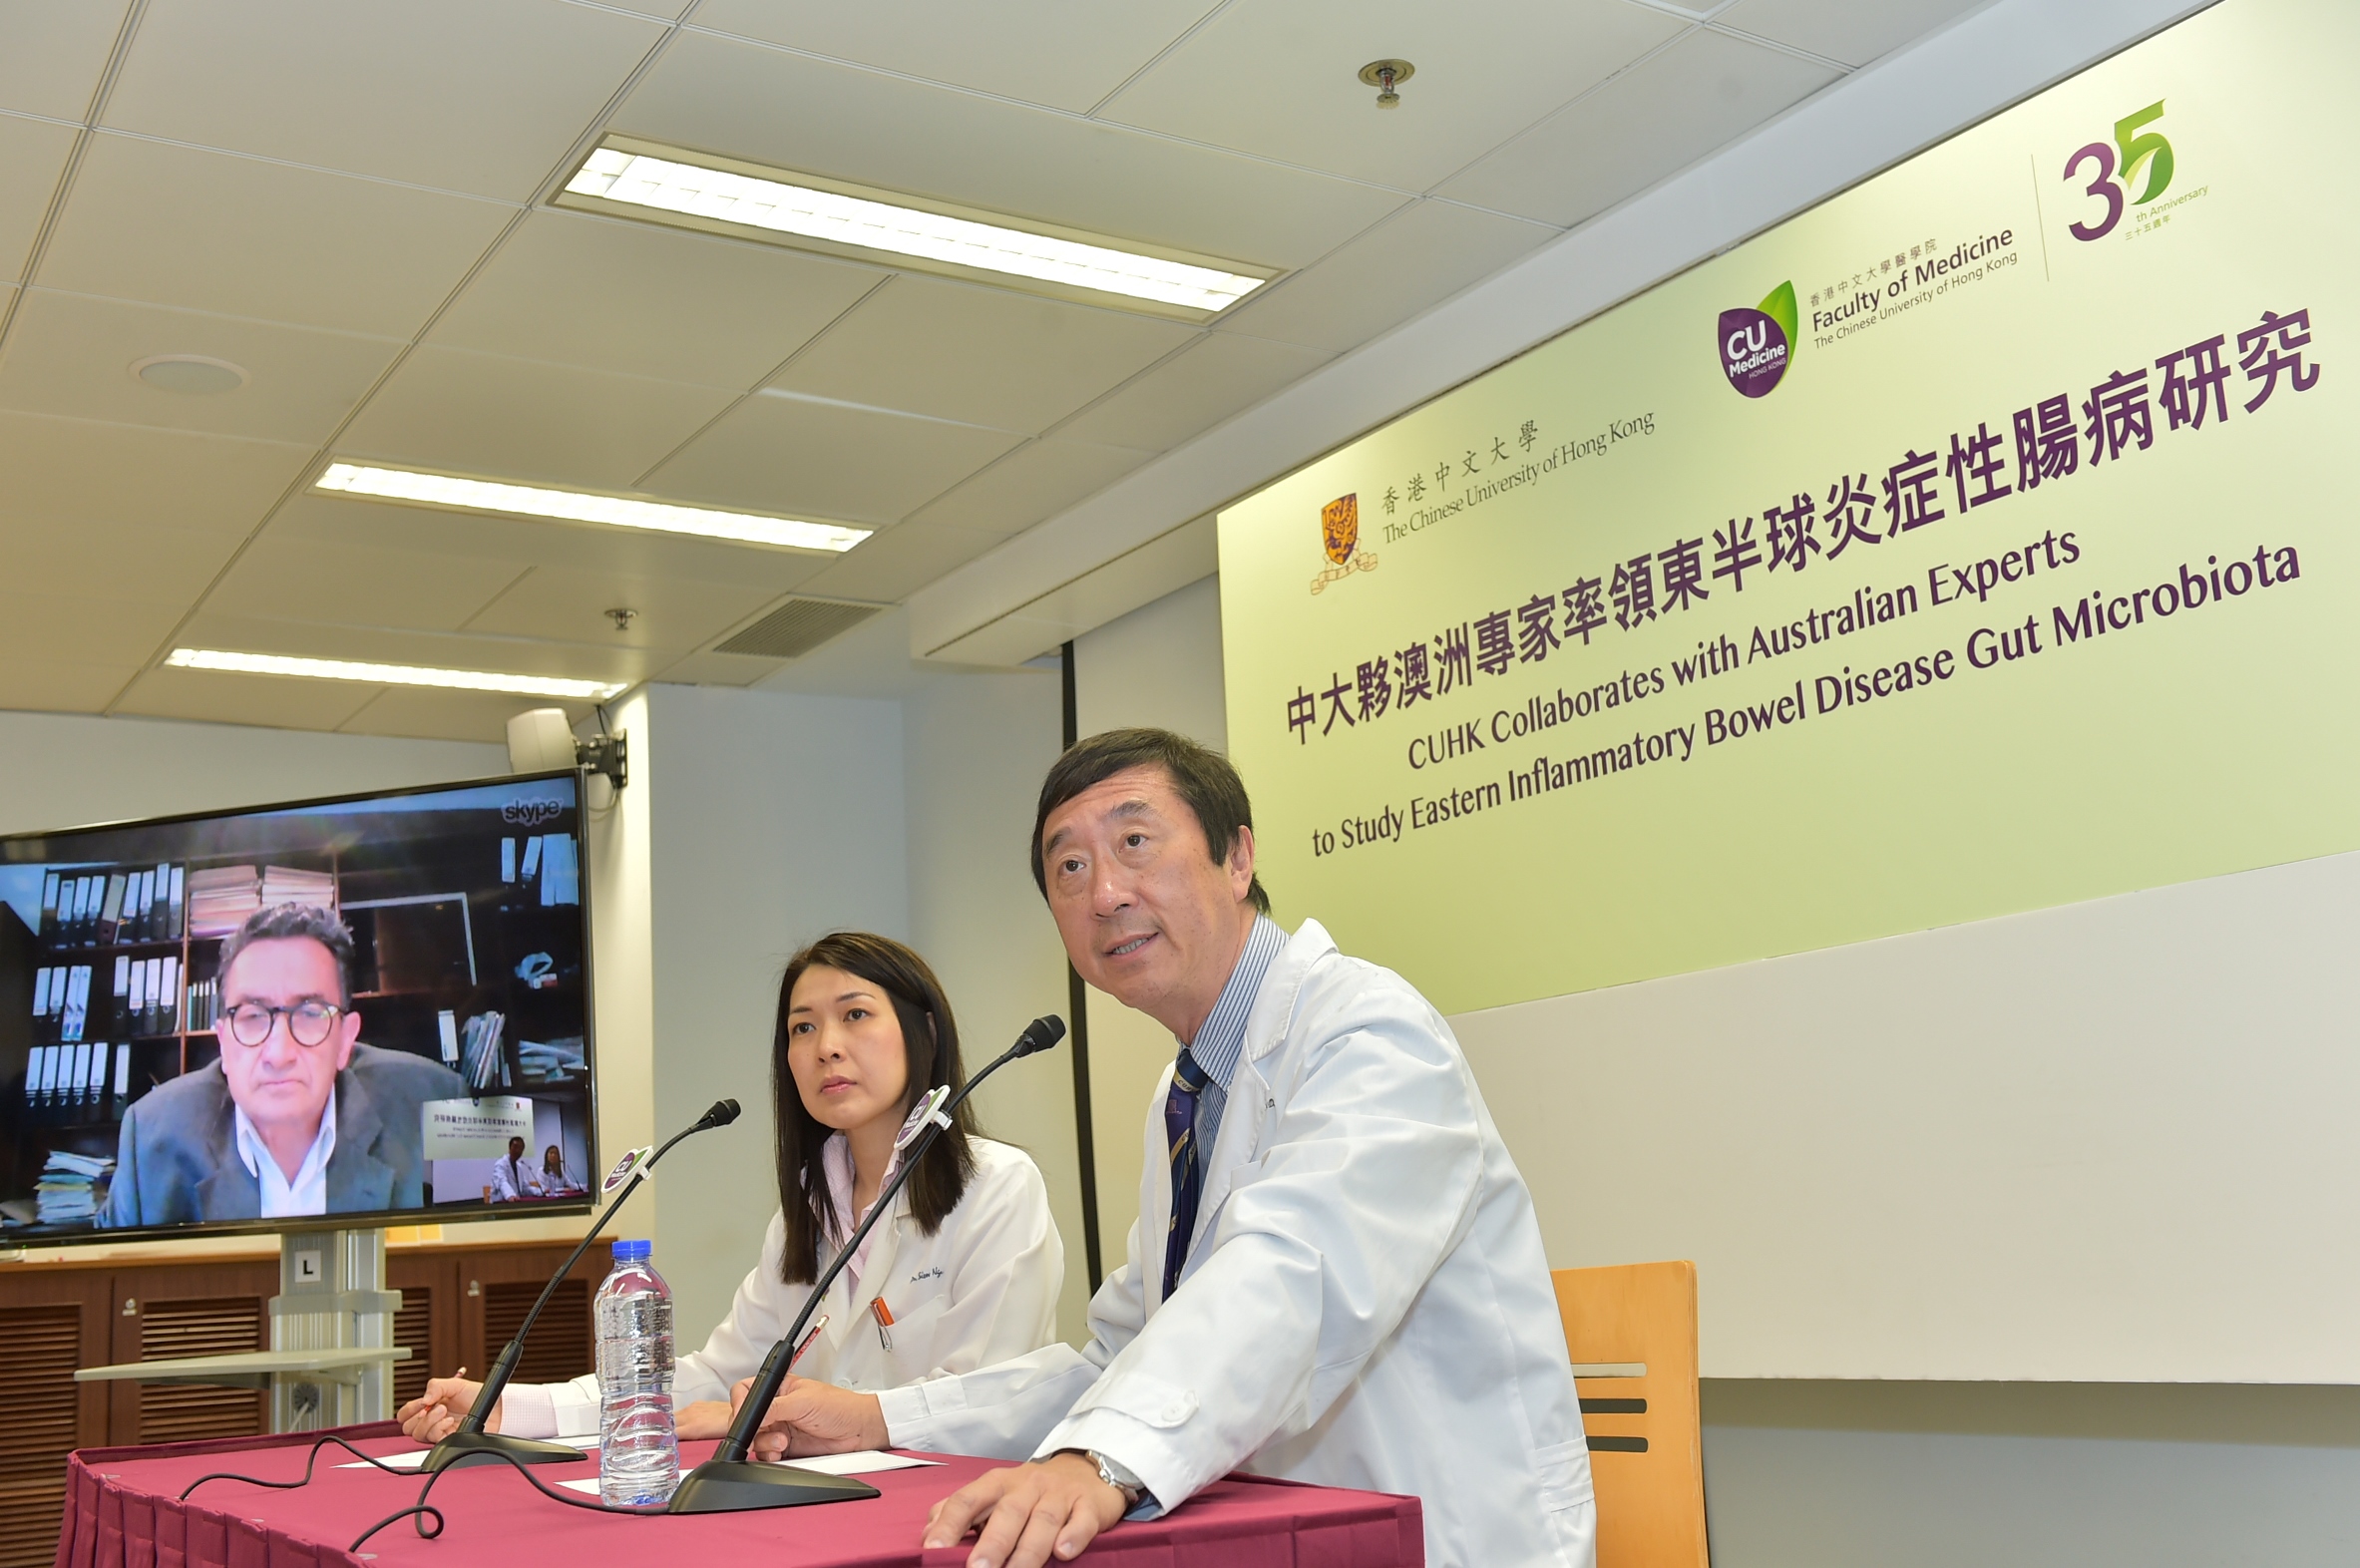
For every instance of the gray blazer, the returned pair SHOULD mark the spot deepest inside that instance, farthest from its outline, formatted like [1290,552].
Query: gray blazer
[178,1157]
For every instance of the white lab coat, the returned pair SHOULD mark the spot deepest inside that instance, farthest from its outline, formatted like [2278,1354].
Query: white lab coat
[508,1186]
[1367,1302]
[983,1289]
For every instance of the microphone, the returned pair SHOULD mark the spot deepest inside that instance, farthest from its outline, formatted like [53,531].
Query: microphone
[471,1442]
[730,1481]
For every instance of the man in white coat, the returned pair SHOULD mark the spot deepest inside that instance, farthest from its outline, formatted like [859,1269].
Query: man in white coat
[1337,1276]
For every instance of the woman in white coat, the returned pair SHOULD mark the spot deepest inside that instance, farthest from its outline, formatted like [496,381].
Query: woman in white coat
[965,1272]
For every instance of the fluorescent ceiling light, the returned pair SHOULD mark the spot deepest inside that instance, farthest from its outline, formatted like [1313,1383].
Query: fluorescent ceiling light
[723,192]
[394,675]
[574,505]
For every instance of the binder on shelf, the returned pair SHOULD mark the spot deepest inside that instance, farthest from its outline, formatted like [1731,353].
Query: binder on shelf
[122,1078]
[531,856]
[173,906]
[171,1016]
[135,1010]
[111,912]
[49,906]
[119,1015]
[561,881]
[447,1024]
[508,860]
[41,1004]
[77,1009]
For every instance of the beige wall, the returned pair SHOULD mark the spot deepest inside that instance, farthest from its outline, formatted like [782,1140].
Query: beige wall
[976,748]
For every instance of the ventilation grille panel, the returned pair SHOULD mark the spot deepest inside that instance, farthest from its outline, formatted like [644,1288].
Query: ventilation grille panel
[797,626]
[37,1384]
[560,1347]
[209,1326]
[413,1329]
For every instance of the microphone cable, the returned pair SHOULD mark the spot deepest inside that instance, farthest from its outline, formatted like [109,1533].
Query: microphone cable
[421,1509]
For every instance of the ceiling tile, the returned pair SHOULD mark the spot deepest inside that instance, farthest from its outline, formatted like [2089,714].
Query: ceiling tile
[1069,54]
[43,685]
[71,354]
[1032,483]
[503,417]
[32,156]
[483,96]
[1419,256]
[1705,90]
[420,713]
[166,566]
[828,119]
[1281,78]
[287,576]
[1224,372]
[247,632]
[250,237]
[525,541]
[648,301]
[891,566]
[823,460]
[1853,31]
[52,53]
[572,605]
[275,701]
[77,473]
[86,622]
[984,356]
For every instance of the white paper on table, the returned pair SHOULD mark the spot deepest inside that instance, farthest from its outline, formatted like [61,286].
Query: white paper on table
[587,1442]
[861,1461]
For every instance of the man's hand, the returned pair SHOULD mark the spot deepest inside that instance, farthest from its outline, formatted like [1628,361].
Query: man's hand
[1027,1512]
[810,1416]
[435,1415]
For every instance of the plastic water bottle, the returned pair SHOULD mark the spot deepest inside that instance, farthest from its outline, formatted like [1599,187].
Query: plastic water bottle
[639,1451]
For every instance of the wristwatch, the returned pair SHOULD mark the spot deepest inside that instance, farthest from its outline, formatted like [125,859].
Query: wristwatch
[1114,1473]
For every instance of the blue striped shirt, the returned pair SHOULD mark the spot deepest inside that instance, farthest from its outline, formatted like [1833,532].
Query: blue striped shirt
[1222,1041]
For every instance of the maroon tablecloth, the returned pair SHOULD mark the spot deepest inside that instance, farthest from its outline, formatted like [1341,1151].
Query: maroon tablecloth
[120,1512]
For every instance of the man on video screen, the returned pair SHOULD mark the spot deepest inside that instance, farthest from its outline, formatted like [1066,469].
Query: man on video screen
[297,1117]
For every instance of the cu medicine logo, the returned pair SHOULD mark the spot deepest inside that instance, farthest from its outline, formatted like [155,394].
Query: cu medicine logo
[1340,537]
[1757,345]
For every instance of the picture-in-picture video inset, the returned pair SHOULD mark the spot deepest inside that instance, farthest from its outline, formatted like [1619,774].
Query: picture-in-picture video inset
[368,1009]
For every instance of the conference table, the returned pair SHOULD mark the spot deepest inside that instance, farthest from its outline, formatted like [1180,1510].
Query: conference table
[122,1512]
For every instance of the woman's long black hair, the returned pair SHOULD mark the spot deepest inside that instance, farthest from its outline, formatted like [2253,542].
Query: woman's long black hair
[930,1043]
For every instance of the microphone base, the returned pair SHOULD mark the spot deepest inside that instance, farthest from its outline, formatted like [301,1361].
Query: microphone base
[486,1448]
[735,1485]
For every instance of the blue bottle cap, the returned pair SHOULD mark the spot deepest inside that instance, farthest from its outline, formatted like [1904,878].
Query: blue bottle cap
[632,1251]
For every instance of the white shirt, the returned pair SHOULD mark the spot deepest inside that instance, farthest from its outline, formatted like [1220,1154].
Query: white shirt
[309,1192]
[982,1288]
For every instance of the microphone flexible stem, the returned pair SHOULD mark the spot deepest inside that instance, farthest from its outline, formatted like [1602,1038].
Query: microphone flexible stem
[496,1381]
[773,1374]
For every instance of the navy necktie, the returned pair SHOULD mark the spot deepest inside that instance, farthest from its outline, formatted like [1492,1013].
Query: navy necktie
[1188,1171]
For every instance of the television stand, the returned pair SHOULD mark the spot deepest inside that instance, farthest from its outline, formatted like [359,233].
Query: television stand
[331,1356]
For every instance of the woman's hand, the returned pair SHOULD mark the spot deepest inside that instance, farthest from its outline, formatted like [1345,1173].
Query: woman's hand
[704,1418]
[810,1416]
[436,1414]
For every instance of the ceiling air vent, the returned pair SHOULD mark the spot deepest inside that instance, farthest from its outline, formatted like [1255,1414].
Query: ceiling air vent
[797,626]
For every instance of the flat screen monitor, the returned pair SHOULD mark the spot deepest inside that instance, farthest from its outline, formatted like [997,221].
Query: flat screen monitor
[401,1033]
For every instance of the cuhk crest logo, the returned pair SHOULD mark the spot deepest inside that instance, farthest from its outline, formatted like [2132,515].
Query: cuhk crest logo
[1757,345]
[1340,537]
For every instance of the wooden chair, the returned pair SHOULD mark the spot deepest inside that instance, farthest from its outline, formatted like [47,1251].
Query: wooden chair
[1632,1331]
